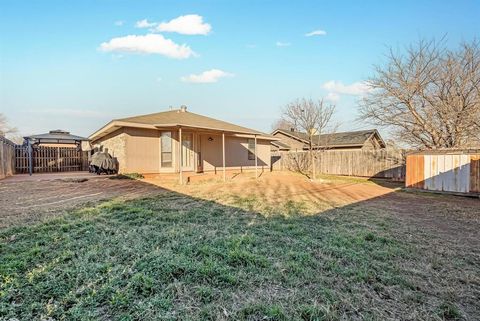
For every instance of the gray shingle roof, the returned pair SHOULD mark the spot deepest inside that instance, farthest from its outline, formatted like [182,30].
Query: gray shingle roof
[185,118]
[175,119]
[353,138]
[56,136]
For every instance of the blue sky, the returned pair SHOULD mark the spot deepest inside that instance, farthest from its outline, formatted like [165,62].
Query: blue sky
[55,72]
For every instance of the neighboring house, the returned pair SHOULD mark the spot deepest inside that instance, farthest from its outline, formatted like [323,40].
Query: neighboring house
[290,140]
[151,143]
[58,138]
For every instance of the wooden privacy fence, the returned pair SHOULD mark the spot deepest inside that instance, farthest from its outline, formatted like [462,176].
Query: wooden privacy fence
[50,159]
[7,157]
[382,163]
[456,171]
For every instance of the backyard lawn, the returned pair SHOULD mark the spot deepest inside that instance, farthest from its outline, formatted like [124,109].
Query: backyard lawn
[338,249]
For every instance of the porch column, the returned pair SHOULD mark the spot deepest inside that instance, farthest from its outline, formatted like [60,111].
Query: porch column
[256,163]
[223,156]
[180,154]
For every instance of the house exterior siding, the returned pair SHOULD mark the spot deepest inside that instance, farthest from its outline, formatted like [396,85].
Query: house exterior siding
[116,143]
[371,143]
[142,150]
[138,150]
[236,153]
[292,142]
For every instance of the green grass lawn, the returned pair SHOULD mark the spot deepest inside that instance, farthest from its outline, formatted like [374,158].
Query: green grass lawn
[178,258]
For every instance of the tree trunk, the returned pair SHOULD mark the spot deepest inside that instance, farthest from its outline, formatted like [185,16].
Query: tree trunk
[313,164]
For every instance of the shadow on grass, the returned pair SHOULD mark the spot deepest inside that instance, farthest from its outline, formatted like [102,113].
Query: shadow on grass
[176,257]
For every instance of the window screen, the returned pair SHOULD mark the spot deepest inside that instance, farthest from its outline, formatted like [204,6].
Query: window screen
[166,146]
[251,149]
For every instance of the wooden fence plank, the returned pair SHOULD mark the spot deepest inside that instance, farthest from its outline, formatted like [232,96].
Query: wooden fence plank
[366,163]
[50,159]
[7,157]
[475,173]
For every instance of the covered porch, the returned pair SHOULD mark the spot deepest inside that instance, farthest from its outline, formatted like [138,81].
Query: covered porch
[193,152]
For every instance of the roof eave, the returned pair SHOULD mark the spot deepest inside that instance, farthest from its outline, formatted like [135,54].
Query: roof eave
[114,125]
[117,124]
[258,134]
[384,145]
[289,134]
[341,145]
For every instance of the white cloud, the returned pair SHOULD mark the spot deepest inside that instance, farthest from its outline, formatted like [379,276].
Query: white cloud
[145,24]
[148,44]
[209,76]
[191,24]
[356,89]
[282,44]
[316,33]
[119,23]
[333,97]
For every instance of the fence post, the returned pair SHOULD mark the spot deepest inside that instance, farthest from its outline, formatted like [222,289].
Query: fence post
[30,157]
[58,159]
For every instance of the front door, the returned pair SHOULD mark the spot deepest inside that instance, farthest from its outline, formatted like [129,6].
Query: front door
[187,152]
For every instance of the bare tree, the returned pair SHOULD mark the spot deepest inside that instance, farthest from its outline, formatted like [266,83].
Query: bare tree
[5,128]
[283,124]
[429,96]
[312,117]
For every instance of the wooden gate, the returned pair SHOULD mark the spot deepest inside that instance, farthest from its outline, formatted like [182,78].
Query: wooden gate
[50,159]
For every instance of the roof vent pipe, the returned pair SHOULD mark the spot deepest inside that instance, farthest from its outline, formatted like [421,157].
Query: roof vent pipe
[183,108]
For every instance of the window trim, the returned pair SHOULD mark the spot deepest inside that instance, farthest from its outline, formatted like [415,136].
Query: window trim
[251,150]
[162,162]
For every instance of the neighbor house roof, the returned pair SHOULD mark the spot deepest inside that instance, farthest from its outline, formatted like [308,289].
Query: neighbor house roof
[56,137]
[343,139]
[176,118]
[281,145]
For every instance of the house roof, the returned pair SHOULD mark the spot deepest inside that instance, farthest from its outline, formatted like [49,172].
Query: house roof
[177,118]
[343,139]
[56,137]
[281,145]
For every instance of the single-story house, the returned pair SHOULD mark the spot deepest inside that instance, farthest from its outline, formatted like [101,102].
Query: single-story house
[290,140]
[177,141]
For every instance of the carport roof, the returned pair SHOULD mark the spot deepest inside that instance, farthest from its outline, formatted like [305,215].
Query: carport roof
[177,118]
[56,137]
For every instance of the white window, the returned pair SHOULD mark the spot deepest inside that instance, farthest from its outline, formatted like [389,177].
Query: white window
[251,149]
[166,146]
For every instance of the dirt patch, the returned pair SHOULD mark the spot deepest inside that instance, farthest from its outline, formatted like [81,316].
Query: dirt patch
[27,201]
[452,216]
[277,187]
